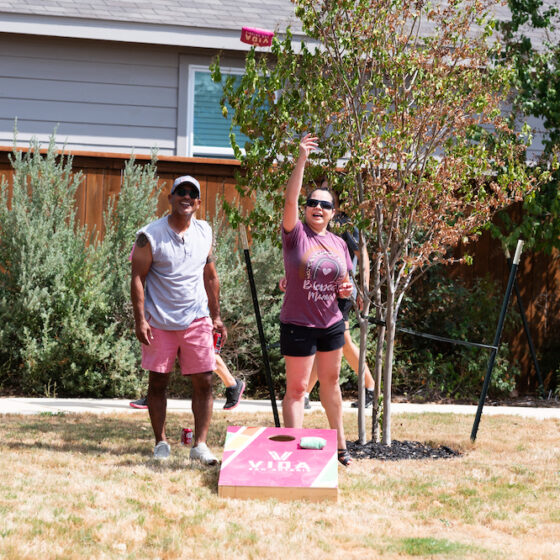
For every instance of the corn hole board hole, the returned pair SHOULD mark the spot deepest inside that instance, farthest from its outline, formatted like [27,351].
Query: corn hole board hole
[268,463]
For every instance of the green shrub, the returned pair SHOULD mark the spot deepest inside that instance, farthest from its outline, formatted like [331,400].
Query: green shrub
[135,206]
[449,308]
[64,323]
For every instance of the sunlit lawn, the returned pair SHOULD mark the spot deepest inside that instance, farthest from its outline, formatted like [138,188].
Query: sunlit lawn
[85,486]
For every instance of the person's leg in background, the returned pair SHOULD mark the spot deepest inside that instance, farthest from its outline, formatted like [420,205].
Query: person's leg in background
[310,385]
[351,354]
[234,387]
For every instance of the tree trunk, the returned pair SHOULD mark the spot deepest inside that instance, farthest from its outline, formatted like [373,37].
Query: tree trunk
[364,327]
[375,431]
[388,366]
[363,321]
[378,368]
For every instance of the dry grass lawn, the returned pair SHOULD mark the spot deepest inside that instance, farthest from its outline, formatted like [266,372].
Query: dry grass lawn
[85,486]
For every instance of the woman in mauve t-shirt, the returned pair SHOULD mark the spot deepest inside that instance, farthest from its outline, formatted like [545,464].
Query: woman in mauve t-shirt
[316,264]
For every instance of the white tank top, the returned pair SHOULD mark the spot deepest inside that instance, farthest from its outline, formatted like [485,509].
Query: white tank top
[174,293]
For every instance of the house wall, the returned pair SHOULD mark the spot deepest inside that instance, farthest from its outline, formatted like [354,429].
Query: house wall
[109,96]
[99,95]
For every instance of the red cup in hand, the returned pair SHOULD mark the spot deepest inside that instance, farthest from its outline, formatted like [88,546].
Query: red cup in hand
[345,290]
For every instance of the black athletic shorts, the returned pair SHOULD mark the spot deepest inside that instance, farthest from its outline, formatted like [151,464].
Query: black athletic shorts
[345,305]
[296,340]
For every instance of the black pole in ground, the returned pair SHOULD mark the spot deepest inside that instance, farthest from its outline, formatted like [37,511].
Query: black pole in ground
[262,339]
[497,338]
[528,334]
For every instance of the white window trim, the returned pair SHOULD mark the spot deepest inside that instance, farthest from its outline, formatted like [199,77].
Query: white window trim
[191,147]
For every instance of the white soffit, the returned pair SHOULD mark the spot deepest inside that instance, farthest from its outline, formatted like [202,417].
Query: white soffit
[128,32]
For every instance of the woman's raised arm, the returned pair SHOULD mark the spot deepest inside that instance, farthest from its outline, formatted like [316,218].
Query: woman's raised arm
[293,188]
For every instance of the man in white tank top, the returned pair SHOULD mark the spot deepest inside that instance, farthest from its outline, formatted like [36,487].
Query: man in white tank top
[175,297]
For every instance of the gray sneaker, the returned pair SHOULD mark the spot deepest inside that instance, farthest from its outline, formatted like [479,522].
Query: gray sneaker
[203,454]
[162,450]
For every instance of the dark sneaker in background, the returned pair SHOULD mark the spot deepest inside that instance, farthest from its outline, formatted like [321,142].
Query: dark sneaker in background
[369,399]
[140,403]
[233,395]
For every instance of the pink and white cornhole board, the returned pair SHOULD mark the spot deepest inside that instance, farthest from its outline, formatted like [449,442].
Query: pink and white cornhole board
[268,463]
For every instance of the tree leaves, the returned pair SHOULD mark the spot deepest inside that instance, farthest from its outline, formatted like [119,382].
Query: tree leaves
[406,102]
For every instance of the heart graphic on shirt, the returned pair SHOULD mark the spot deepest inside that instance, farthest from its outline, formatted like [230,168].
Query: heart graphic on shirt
[327,271]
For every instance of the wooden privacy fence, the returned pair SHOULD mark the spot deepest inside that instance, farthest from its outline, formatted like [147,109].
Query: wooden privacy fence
[538,277]
[102,176]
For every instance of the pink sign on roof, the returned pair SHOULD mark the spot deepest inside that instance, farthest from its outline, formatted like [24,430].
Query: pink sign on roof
[256,37]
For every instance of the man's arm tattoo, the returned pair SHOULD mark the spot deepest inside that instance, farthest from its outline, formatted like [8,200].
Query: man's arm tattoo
[142,240]
[210,259]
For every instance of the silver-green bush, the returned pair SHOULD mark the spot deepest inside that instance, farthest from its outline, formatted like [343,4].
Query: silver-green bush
[65,323]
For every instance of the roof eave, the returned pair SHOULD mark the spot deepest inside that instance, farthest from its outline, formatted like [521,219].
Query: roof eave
[128,32]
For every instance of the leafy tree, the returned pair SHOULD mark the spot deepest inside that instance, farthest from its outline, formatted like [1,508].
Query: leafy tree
[406,103]
[536,83]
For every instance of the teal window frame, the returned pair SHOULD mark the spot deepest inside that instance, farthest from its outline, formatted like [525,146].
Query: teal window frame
[196,121]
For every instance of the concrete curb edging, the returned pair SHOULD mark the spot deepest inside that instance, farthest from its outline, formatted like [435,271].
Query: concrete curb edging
[9,405]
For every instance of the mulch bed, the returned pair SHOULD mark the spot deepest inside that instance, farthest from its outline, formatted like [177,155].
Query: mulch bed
[399,450]
[403,450]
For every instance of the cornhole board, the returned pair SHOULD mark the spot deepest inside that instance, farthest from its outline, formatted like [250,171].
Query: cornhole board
[269,463]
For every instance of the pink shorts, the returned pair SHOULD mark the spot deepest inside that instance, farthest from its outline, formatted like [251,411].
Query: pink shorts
[194,346]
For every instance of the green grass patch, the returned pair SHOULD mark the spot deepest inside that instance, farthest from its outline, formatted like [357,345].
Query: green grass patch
[508,491]
[555,516]
[427,546]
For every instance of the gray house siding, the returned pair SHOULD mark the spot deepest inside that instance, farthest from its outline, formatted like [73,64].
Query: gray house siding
[108,97]
[538,136]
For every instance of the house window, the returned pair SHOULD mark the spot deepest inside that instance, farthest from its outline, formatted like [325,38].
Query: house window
[208,133]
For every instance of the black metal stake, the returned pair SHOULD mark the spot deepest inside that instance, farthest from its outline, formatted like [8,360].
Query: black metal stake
[262,339]
[497,338]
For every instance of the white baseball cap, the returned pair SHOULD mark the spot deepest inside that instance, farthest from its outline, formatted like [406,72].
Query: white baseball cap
[186,179]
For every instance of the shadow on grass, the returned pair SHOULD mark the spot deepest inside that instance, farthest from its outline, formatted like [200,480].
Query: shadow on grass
[96,434]
[128,438]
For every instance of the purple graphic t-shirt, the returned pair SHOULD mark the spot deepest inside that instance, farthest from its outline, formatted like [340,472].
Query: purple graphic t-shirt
[314,265]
